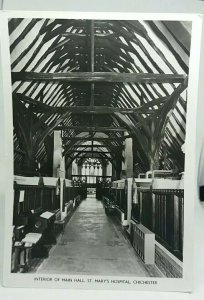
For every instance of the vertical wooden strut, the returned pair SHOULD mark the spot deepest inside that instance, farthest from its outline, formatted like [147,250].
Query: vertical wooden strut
[91,31]
[92,45]
[92,60]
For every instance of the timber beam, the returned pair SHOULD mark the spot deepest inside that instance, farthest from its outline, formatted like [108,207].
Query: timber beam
[87,151]
[89,146]
[19,151]
[117,139]
[98,77]
[91,128]
[114,148]
[38,106]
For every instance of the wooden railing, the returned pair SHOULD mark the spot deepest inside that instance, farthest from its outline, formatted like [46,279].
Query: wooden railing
[103,187]
[169,216]
[157,203]
[34,194]
[44,193]
[120,195]
[161,210]
[42,207]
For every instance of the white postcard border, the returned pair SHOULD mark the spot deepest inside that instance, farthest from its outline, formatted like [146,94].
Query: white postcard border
[163,284]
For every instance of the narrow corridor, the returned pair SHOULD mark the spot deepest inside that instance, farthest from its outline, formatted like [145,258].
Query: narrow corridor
[94,244]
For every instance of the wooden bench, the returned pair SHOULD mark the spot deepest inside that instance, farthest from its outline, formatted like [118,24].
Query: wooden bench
[62,219]
[22,251]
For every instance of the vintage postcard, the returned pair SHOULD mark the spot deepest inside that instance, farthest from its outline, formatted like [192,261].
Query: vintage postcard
[100,114]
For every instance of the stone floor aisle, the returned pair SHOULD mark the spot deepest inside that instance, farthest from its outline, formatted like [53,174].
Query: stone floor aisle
[94,244]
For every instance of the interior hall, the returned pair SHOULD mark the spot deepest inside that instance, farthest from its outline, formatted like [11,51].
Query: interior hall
[99,123]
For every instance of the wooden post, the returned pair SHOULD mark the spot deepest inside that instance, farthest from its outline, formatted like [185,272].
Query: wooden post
[92,60]
[176,223]
[153,212]
[152,145]
[58,165]
[140,203]
[129,200]
[79,169]
[104,170]
[61,197]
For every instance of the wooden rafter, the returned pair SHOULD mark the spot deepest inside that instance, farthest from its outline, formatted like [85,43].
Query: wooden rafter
[166,113]
[92,128]
[89,151]
[89,146]
[98,77]
[81,74]
[100,139]
[42,107]
[109,148]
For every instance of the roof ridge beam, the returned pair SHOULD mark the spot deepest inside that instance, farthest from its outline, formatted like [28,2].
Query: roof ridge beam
[91,128]
[99,77]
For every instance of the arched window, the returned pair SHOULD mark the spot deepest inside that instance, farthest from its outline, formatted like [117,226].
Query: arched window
[91,168]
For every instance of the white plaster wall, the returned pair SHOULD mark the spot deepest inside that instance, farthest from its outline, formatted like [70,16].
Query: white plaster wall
[74,168]
[109,169]
[128,157]
[58,160]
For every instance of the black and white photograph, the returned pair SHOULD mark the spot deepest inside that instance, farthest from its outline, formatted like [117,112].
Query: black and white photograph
[99,115]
